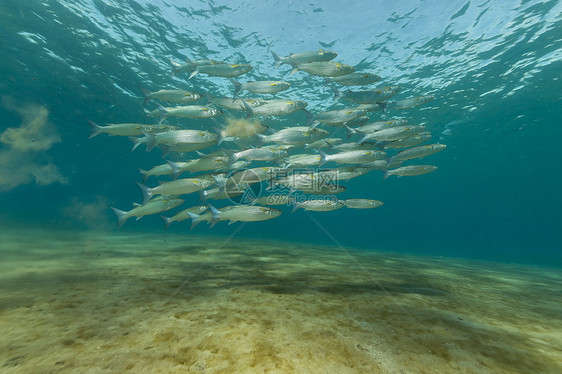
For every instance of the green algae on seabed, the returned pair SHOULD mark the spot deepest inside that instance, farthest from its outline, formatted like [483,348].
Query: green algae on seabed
[84,302]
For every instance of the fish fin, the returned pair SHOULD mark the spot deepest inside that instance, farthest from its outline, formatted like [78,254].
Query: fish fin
[278,60]
[202,196]
[294,205]
[221,181]
[175,67]
[309,118]
[294,70]
[214,214]
[237,88]
[144,174]
[151,141]
[121,216]
[232,221]
[163,113]
[322,158]
[95,129]
[337,93]
[195,219]
[146,192]
[262,138]
[249,110]
[193,73]
[350,132]
[167,221]
[136,142]
[176,171]
[165,150]
[386,174]
[147,97]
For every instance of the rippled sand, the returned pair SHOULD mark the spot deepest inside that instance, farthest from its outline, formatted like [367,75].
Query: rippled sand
[115,303]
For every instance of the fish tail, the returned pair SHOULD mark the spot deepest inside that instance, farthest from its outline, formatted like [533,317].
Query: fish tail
[237,87]
[232,158]
[350,132]
[195,69]
[309,118]
[147,97]
[151,141]
[144,174]
[262,138]
[249,110]
[322,158]
[163,113]
[95,129]
[176,171]
[202,196]
[363,135]
[337,93]
[165,150]
[210,99]
[175,67]
[167,221]
[146,192]
[122,216]
[278,60]
[214,214]
[136,142]
[195,219]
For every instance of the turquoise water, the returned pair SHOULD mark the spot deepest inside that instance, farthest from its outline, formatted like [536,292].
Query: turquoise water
[493,67]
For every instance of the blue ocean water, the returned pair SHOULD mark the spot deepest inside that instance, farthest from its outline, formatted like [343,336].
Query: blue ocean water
[493,67]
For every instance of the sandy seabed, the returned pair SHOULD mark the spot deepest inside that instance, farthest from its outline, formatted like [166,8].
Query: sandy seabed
[116,303]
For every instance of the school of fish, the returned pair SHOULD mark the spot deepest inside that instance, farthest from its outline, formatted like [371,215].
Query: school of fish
[242,153]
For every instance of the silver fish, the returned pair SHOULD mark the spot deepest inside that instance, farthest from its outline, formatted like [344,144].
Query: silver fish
[224,192]
[156,205]
[418,152]
[323,143]
[178,140]
[351,157]
[355,79]
[172,96]
[343,173]
[324,68]
[409,142]
[177,187]
[244,213]
[184,214]
[335,117]
[127,129]
[275,108]
[220,70]
[382,164]
[362,203]
[259,154]
[188,66]
[188,111]
[291,136]
[301,160]
[235,213]
[262,87]
[409,170]
[393,133]
[409,103]
[303,57]
[234,103]
[319,205]
[363,97]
